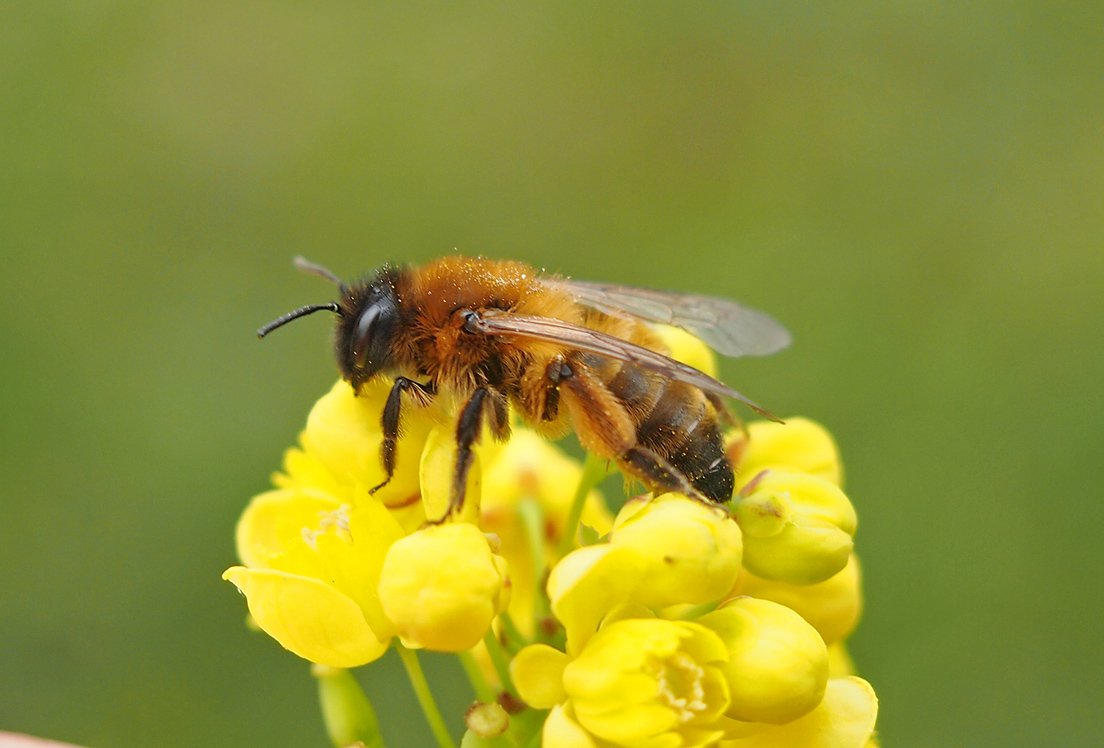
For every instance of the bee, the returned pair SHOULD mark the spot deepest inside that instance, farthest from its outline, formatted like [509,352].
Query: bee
[565,354]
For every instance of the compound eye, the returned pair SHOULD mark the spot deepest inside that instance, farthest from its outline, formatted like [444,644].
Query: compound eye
[362,337]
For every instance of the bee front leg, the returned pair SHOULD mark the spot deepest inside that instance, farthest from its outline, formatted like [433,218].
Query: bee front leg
[390,422]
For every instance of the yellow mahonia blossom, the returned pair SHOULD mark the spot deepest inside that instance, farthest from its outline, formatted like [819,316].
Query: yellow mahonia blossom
[798,445]
[832,606]
[777,666]
[311,572]
[677,624]
[797,527]
[442,586]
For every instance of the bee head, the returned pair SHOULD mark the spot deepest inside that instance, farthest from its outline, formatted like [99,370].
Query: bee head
[366,326]
[367,320]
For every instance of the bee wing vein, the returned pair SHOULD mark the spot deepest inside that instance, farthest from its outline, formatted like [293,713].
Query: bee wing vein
[573,336]
[727,327]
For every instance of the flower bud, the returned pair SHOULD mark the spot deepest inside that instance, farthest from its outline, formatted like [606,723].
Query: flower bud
[832,607]
[799,445]
[649,682]
[777,666]
[691,552]
[797,527]
[844,718]
[442,586]
[486,720]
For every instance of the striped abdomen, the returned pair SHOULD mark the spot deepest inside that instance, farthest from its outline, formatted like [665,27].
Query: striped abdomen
[675,427]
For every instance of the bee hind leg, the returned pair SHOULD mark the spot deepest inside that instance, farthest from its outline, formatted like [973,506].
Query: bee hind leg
[658,473]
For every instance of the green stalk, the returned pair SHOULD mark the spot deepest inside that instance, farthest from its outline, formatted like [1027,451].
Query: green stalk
[425,697]
[500,660]
[593,469]
[346,710]
[516,640]
[532,520]
[479,683]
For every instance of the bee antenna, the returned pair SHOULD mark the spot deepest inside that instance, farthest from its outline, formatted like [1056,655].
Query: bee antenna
[302,311]
[305,265]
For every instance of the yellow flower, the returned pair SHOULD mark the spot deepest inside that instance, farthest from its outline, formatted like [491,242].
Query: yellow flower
[798,444]
[777,666]
[832,606]
[844,718]
[590,582]
[797,527]
[528,468]
[312,567]
[537,671]
[691,552]
[442,586]
[644,683]
[341,446]
[436,471]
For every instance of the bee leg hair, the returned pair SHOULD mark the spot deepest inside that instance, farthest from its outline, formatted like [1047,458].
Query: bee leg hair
[658,473]
[390,422]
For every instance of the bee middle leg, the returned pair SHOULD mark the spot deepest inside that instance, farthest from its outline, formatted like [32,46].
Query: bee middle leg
[468,428]
[390,422]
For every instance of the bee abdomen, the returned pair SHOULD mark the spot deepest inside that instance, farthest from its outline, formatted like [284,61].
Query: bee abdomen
[677,422]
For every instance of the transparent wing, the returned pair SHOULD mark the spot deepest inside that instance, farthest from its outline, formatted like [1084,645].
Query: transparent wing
[727,327]
[584,339]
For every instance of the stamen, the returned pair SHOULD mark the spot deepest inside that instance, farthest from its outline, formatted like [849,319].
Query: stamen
[680,685]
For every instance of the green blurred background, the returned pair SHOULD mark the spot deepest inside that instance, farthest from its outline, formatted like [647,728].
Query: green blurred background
[915,188]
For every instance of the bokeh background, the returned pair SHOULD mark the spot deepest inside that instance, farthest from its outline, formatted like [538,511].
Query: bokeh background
[915,188]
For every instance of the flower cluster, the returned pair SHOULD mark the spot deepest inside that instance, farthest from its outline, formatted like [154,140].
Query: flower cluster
[672,623]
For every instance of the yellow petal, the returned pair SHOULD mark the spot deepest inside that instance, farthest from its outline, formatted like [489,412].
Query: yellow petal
[797,527]
[798,444]
[692,552]
[778,664]
[308,617]
[845,718]
[537,671]
[832,606]
[649,682]
[343,434]
[587,584]
[438,465]
[562,731]
[275,520]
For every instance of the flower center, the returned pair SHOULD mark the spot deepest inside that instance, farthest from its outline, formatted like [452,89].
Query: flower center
[680,685]
[336,521]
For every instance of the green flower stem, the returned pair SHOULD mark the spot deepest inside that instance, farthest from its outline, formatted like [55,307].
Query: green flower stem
[500,660]
[514,638]
[346,710]
[532,520]
[425,697]
[482,687]
[593,469]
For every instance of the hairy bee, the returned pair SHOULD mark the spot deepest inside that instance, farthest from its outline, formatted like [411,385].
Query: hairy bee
[566,354]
